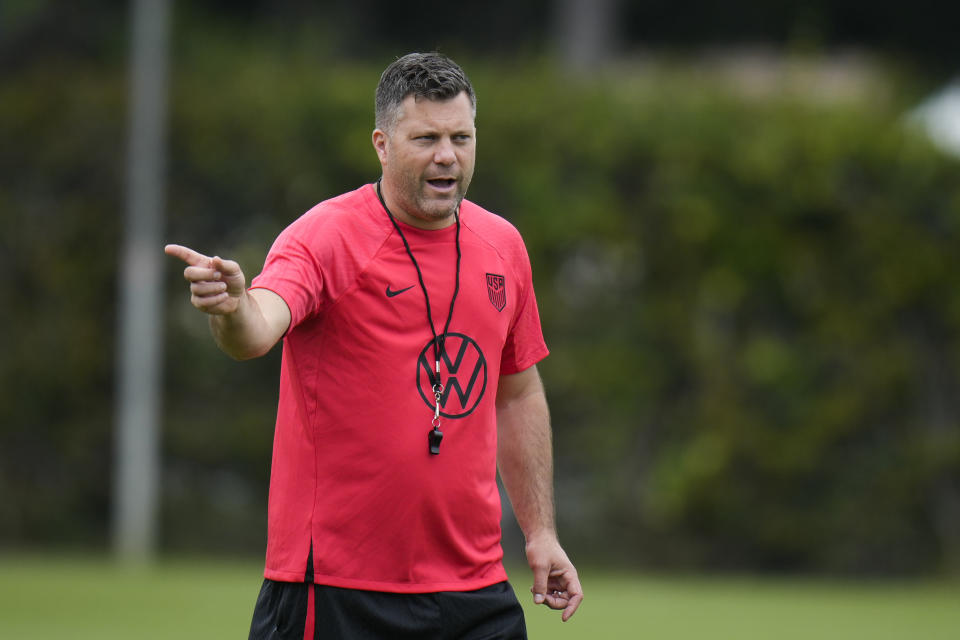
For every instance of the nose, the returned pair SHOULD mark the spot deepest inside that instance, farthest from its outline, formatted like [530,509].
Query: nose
[443,153]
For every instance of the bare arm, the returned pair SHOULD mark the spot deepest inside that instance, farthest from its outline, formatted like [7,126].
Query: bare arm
[245,324]
[525,461]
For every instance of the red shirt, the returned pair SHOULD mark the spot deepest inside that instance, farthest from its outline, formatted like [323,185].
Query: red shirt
[352,474]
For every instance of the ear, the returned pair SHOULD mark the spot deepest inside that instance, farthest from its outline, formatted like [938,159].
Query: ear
[380,140]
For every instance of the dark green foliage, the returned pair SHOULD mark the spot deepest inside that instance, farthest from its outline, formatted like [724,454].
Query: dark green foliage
[753,320]
[750,299]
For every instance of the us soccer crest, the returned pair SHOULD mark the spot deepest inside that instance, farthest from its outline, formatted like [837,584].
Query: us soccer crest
[497,290]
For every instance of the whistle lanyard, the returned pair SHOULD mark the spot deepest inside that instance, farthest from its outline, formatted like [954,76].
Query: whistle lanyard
[435,435]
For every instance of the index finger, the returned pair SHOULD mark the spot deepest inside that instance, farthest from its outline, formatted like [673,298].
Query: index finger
[571,607]
[187,254]
[574,593]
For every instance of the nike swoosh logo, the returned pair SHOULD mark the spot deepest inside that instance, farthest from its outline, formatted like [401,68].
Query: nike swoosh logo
[391,293]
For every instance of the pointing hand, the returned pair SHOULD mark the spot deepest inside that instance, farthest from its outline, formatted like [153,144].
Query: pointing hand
[216,285]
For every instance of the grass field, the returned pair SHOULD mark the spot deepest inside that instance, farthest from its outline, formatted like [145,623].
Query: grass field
[68,597]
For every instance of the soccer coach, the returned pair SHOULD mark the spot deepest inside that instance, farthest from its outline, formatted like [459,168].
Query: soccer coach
[410,337]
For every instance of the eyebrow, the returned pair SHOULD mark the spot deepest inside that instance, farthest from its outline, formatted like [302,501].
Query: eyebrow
[434,131]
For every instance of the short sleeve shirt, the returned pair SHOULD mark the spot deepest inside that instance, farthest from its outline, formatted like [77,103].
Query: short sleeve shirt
[352,476]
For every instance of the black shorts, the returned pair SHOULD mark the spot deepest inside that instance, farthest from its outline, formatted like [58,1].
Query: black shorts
[283,612]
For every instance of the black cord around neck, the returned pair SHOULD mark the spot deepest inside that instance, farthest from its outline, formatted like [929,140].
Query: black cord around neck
[439,342]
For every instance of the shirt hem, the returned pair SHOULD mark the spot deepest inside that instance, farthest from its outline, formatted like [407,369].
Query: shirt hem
[493,578]
[526,363]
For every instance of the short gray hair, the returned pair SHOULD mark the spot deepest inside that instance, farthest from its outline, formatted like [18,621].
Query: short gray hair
[422,75]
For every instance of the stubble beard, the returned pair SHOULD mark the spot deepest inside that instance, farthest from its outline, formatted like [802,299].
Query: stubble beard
[419,205]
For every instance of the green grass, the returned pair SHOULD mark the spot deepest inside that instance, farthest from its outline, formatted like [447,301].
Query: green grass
[46,597]
[752,608]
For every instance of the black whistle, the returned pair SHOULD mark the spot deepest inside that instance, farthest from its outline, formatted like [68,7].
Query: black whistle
[434,438]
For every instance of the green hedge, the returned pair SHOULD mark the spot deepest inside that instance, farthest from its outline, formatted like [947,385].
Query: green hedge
[750,299]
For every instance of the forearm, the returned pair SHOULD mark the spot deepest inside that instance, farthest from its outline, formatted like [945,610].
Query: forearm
[525,457]
[245,333]
[525,460]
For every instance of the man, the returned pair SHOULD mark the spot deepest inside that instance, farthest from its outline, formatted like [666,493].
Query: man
[410,341]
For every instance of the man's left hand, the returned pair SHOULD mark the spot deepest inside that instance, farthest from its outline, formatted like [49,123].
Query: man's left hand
[555,580]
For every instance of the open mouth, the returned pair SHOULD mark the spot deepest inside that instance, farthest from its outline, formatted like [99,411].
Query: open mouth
[442,184]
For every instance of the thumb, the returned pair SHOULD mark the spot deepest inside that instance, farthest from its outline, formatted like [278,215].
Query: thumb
[539,590]
[228,268]
[230,273]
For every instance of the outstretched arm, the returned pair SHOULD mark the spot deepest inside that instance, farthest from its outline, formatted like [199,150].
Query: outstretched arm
[245,324]
[525,460]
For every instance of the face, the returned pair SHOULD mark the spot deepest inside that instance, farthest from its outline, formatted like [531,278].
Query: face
[428,159]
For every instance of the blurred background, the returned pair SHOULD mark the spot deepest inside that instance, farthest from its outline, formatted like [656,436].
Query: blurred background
[743,219]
